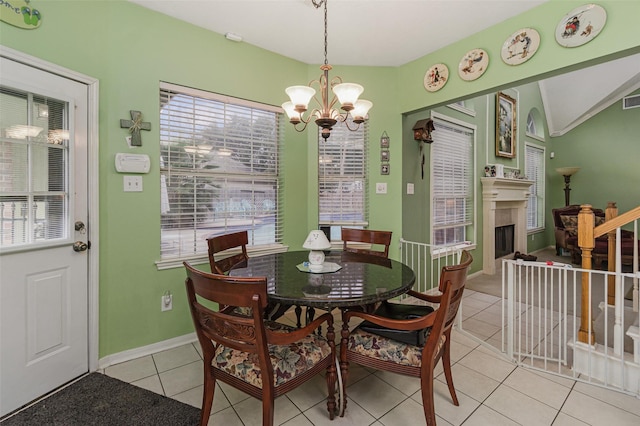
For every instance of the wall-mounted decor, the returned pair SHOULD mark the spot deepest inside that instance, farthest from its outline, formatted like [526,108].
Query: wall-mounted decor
[422,130]
[473,64]
[581,25]
[384,153]
[506,132]
[135,125]
[21,14]
[384,140]
[436,77]
[520,46]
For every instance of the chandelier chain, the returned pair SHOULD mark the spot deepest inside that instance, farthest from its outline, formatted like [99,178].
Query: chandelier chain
[325,33]
[317,4]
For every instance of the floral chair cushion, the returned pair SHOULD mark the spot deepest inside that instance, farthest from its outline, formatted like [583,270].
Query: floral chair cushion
[382,348]
[570,223]
[243,311]
[288,361]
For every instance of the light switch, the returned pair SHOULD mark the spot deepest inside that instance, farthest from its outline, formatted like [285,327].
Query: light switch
[132,183]
[381,188]
[410,189]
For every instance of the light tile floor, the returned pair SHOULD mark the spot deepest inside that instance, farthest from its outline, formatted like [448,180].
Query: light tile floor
[491,390]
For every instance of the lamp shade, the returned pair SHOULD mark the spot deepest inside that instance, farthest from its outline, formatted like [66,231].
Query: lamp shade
[360,109]
[348,93]
[568,171]
[317,240]
[290,109]
[300,96]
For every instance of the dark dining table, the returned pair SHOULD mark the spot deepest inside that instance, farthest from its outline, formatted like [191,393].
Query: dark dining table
[360,280]
[348,279]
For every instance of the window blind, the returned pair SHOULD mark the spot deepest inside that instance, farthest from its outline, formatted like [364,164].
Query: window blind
[342,176]
[451,182]
[534,170]
[220,170]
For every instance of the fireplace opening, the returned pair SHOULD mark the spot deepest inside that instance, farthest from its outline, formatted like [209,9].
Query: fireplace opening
[504,240]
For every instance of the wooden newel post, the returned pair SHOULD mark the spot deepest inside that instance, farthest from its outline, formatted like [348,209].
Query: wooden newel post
[610,213]
[586,242]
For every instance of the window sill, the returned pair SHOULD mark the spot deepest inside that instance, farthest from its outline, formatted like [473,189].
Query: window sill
[536,137]
[535,231]
[204,258]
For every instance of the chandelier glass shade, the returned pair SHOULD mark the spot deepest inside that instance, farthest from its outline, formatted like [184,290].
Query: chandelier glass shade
[326,115]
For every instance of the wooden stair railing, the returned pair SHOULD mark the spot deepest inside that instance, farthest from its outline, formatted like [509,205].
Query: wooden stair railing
[587,233]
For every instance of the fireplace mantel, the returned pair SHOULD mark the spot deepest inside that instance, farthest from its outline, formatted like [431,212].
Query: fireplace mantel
[507,198]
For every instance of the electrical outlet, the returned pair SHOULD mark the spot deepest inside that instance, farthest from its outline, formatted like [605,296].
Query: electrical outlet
[166,302]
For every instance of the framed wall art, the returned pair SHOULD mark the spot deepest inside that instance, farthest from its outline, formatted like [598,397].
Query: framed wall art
[384,140]
[506,132]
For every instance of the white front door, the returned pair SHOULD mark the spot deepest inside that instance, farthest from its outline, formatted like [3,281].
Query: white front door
[43,212]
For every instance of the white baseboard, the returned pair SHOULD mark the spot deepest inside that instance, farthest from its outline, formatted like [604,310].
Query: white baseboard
[130,354]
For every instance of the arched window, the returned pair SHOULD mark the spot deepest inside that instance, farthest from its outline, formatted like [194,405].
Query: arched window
[535,125]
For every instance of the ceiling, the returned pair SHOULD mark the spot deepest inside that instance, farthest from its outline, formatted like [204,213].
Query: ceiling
[395,32]
[360,32]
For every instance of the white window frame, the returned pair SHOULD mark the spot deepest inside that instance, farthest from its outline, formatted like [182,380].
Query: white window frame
[351,178]
[536,191]
[470,220]
[534,126]
[193,154]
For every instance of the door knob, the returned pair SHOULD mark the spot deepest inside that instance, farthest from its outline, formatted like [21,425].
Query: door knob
[80,246]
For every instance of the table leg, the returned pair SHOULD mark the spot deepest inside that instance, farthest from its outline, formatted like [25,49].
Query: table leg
[298,311]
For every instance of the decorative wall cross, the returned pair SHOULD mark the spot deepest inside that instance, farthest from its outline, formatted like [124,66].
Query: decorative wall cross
[135,125]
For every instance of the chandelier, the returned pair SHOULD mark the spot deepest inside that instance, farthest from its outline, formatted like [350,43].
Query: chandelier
[326,116]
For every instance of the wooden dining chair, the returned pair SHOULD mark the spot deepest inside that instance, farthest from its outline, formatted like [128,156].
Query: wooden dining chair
[264,359]
[409,339]
[222,265]
[372,237]
[221,243]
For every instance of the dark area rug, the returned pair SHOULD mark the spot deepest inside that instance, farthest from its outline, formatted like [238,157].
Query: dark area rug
[102,400]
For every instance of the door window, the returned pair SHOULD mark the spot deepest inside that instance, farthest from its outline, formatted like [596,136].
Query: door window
[34,159]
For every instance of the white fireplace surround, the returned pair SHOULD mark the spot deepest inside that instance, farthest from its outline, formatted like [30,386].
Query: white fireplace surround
[504,202]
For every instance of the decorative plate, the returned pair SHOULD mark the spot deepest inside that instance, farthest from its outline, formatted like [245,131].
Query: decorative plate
[520,46]
[473,64]
[436,77]
[581,25]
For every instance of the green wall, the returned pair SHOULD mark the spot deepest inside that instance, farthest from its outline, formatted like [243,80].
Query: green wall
[131,49]
[483,118]
[551,59]
[607,150]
